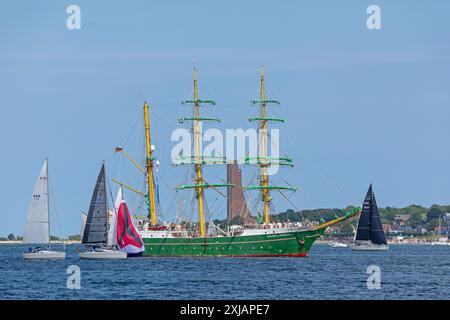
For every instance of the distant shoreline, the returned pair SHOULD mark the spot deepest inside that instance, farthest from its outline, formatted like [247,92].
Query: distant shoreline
[52,242]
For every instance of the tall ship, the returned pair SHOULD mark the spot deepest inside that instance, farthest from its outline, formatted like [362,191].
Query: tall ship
[256,236]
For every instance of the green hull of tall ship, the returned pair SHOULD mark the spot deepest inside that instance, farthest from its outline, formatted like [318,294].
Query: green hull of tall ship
[293,243]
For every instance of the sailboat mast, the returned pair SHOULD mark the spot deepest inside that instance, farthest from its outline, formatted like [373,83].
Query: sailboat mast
[48,204]
[149,165]
[198,158]
[264,178]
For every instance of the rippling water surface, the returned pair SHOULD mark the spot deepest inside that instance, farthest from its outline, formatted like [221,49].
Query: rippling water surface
[407,272]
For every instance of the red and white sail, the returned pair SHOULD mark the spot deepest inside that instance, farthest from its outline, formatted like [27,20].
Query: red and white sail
[128,238]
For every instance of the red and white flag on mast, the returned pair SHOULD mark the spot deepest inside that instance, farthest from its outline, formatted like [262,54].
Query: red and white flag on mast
[128,238]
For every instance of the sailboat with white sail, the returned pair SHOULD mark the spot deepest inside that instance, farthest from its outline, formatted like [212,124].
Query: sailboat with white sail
[96,237]
[370,234]
[439,239]
[37,228]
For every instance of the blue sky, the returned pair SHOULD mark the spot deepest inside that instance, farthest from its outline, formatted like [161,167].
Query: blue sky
[361,105]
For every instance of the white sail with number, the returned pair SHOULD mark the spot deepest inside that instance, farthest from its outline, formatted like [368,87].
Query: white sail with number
[37,228]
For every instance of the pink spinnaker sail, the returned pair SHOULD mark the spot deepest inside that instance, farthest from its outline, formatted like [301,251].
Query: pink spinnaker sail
[128,238]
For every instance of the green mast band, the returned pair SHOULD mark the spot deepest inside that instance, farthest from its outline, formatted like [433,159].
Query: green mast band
[267,102]
[203,186]
[211,102]
[266,119]
[181,120]
[270,188]
[200,160]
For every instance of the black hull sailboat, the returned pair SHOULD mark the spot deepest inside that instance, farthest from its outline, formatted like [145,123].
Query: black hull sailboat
[370,235]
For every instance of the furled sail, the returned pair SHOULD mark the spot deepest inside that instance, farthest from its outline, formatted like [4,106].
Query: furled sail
[370,227]
[37,228]
[96,229]
[128,238]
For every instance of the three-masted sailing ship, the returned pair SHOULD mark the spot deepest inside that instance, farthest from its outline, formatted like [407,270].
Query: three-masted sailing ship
[258,240]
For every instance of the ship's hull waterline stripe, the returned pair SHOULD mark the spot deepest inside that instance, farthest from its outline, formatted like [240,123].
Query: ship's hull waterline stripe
[220,243]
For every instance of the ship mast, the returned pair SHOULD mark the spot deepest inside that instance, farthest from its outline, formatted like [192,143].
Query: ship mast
[148,172]
[198,160]
[263,160]
[151,207]
[197,152]
[264,179]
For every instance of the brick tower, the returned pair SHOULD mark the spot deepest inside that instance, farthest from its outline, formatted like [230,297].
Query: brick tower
[236,205]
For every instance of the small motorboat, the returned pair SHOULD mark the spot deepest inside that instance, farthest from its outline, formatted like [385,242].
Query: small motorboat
[338,245]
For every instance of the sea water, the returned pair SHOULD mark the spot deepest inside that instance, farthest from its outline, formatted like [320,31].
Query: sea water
[405,272]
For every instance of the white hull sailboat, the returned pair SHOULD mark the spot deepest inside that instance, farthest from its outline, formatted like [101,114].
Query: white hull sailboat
[442,241]
[44,254]
[103,253]
[370,234]
[97,237]
[370,247]
[37,228]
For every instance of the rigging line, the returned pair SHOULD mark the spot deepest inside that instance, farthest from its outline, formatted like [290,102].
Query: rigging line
[57,216]
[170,191]
[336,188]
[111,196]
[254,196]
[296,208]
[180,208]
[291,203]
[131,130]
[215,189]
